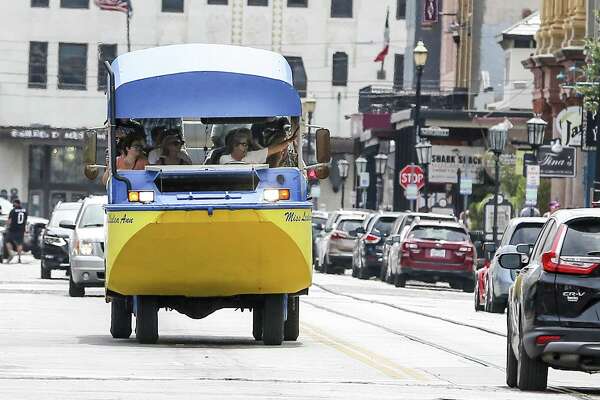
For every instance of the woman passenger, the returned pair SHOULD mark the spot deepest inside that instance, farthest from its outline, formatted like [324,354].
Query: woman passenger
[133,157]
[171,152]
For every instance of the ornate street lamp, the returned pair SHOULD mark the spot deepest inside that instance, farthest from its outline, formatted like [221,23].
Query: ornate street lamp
[343,167]
[497,136]
[380,166]
[424,158]
[536,128]
[361,166]
[420,56]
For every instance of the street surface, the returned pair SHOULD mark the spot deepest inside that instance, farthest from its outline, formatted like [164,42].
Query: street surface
[358,340]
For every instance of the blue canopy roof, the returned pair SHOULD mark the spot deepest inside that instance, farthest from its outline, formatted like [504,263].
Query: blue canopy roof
[195,80]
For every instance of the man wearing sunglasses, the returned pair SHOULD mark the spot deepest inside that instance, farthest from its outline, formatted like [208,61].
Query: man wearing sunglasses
[238,147]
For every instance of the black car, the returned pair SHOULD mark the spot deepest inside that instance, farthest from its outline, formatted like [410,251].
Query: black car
[553,307]
[368,249]
[55,240]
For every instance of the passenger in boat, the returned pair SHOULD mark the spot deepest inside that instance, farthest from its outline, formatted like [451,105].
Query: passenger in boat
[171,152]
[238,144]
[133,156]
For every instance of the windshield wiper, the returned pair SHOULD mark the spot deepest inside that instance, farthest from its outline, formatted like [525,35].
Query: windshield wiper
[594,253]
[93,226]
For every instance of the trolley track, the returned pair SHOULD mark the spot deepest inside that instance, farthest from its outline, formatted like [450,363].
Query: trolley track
[563,390]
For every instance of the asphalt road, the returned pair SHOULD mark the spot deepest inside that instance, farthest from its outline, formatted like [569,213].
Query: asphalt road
[358,340]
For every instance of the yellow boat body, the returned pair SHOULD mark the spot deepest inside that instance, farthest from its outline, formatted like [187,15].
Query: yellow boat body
[197,254]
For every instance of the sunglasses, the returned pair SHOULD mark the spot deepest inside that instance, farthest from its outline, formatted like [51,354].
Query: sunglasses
[245,144]
[137,147]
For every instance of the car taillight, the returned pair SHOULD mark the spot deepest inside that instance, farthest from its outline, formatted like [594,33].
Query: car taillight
[372,239]
[336,235]
[412,247]
[463,250]
[545,339]
[552,263]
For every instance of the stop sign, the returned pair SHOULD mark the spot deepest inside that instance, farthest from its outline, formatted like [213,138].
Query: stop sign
[412,174]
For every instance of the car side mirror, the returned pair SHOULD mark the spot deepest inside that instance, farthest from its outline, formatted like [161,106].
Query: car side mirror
[67,224]
[489,250]
[524,248]
[323,146]
[396,239]
[511,261]
[360,230]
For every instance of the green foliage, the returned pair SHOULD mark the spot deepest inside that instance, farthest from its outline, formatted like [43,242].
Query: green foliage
[591,93]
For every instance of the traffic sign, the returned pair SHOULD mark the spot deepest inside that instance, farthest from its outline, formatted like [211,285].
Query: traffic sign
[533,175]
[466,186]
[411,192]
[363,180]
[412,174]
[531,193]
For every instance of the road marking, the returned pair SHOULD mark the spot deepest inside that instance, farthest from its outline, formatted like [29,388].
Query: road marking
[373,360]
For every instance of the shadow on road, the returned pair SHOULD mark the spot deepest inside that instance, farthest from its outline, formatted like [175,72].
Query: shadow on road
[168,341]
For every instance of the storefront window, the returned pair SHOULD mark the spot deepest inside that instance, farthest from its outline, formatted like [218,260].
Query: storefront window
[36,164]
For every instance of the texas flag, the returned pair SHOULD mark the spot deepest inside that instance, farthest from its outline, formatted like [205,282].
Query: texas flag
[386,39]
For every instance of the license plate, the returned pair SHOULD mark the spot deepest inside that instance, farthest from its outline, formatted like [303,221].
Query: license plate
[437,253]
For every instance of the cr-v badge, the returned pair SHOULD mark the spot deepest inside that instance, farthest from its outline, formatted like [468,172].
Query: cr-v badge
[573,297]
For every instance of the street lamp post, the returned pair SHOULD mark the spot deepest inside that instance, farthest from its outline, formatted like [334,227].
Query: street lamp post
[497,135]
[420,57]
[424,158]
[380,166]
[536,128]
[361,167]
[343,166]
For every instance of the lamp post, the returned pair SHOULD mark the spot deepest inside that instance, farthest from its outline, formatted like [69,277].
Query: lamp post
[361,166]
[380,166]
[424,158]
[343,166]
[420,57]
[536,128]
[497,135]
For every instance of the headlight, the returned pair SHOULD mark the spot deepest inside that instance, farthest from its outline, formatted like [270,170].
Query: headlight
[54,241]
[84,248]
[140,196]
[276,194]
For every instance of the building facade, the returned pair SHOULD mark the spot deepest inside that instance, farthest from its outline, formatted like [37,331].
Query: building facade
[52,83]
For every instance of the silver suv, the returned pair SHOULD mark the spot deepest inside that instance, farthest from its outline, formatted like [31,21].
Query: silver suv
[86,250]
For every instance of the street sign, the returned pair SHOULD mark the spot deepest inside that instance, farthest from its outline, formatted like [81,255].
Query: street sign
[553,165]
[531,195]
[533,175]
[466,186]
[411,192]
[412,174]
[363,180]
[435,131]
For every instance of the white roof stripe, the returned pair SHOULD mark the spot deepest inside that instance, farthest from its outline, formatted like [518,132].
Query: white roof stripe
[168,60]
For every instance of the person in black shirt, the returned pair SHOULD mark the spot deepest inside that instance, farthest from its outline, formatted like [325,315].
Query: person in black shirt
[17,219]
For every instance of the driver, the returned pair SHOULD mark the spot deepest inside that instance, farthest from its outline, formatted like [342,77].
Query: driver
[239,143]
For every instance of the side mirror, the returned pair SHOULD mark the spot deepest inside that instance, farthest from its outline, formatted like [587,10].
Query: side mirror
[489,250]
[396,239]
[360,230]
[322,171]
[511,261]
[524,248]
[323,146]
[89,155]
[66,224]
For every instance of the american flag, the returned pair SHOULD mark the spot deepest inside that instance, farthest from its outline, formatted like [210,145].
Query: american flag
[115,5]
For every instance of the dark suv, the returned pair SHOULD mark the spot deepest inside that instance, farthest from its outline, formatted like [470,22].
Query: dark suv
[55,239]
[554,305]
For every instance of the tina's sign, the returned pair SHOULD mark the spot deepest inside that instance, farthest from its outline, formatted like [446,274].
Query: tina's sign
[561,165]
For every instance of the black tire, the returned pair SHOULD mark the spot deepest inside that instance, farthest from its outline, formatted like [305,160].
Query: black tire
[291,328]
[257,323]
[328,268]
[354,272]
[400,280]
[75,290]
[478,305]
[532,374]
[383,272]
[456,285]
[273,320]
[146,320]
[468,286]
[45,273]
[511,360]
[363,273]
[493,306]
[120,319]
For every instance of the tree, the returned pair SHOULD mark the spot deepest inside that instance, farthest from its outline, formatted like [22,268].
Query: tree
[591,88]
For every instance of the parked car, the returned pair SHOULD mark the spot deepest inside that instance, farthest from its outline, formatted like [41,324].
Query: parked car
[31,239]
[55,239]
[435,251]
[340,244]
[86,250]
[391,244]
[319,220]
[368,248]
[497,280]
[321,242]
[553,306]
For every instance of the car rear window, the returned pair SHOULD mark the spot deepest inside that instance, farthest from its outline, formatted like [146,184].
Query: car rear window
[62,214]
[383,226]
[439,233]
[349,225]
[525,234]
[582,239]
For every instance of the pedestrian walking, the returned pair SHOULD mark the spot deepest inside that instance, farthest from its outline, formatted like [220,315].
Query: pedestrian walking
[17,220]
[552,207]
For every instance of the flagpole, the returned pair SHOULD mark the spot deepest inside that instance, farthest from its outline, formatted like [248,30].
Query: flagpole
[128,40]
